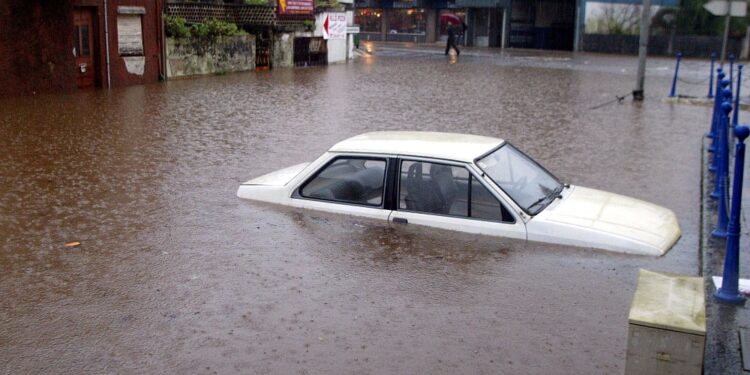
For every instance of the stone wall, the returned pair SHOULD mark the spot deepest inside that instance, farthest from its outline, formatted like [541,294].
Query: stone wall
[283,50]
[186,57]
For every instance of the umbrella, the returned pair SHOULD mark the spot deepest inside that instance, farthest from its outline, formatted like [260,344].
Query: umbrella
[450,18]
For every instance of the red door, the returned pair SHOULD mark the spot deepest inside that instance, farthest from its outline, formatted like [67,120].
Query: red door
[83,47]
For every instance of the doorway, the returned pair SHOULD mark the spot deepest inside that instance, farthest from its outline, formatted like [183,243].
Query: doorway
[542,24]
[84,47]
[487,24]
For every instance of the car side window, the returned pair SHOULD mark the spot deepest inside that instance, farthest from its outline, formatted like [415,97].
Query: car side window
[485,206]
[448,190]
[434,188]
[349,180]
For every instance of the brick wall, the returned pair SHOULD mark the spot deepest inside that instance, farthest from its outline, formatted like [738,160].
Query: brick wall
[36,45]
[152,49]
[35,56]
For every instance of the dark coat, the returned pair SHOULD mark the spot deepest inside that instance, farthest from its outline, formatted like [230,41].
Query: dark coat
[451,33]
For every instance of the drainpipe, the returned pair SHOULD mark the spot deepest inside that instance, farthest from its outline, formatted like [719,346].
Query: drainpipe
[162,42]
[580,9]
[106,44]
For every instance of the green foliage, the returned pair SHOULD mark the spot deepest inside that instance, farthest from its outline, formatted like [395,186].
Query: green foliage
[309,24]
[256,2]
[199,30]
[218,28]
[175,27]
[326,3]
[692,19]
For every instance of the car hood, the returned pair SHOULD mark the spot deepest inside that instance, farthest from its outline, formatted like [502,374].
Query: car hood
[610,221]
[278,178]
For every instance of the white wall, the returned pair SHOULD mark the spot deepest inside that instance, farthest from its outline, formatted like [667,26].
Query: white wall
[336,47]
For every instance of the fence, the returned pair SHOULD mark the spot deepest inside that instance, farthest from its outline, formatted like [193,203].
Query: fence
[723,134]
[256,15]
[658,45]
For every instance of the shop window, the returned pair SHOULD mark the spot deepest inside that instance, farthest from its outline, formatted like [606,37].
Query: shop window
[130,31]
[369,20]
[407,21]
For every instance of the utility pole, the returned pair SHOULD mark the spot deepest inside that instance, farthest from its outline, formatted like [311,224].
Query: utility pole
[726,35]
[642,50]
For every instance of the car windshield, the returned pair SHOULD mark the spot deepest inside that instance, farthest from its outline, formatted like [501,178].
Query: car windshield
[525,181]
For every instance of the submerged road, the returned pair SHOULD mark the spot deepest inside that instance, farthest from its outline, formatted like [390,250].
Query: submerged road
[175,274]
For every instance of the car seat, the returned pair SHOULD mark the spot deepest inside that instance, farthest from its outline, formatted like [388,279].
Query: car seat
[423,196]
[442,176]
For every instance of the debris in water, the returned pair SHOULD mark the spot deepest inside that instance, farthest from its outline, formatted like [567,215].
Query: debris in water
[72,244]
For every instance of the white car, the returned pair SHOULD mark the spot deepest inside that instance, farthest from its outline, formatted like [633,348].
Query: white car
[467,183]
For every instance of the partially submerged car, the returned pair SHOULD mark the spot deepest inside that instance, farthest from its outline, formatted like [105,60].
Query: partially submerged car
[466,183]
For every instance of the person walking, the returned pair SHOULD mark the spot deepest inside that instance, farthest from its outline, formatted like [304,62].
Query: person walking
[451,40]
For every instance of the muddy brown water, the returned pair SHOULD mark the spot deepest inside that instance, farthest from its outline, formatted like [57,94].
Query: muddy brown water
[174,274]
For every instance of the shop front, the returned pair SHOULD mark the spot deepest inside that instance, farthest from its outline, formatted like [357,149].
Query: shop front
[393,21]
[538,24]
[483,22]
[543,24]
[369,16]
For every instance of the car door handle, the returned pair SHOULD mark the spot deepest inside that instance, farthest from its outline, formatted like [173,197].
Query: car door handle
[400,220]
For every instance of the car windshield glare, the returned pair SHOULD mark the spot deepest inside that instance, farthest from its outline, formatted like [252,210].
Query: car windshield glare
[525,181]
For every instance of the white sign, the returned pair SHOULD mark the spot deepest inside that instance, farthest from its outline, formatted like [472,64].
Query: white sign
[334,26]
[719,8]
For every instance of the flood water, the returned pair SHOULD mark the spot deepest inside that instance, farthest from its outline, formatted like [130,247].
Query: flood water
[175,274]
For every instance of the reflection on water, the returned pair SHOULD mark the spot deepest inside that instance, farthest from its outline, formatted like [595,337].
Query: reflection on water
[174,273]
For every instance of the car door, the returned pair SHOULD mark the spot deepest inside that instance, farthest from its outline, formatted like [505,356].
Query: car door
[447,195]
[348,184]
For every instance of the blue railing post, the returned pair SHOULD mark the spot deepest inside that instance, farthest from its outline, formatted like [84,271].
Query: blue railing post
[715,118]
[711,77]
[736,113]
[731,70]
[722,171]
[730,291]
[672,93]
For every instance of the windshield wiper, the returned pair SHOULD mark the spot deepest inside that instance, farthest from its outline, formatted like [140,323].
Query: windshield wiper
[540,200]
[554,194]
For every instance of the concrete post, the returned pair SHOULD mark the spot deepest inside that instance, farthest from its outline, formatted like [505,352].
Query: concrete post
[642,50]
[432,25]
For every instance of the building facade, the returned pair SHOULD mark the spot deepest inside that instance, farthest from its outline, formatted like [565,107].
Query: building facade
[535,24]
[541,24]
[48,45]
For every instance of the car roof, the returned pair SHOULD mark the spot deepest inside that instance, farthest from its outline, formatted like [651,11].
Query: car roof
[450,146]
